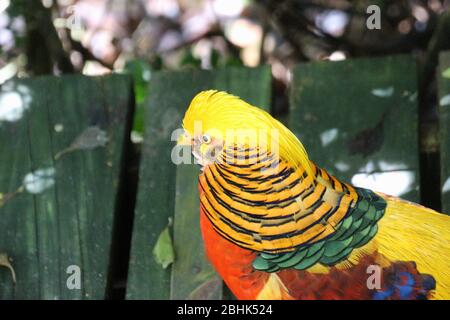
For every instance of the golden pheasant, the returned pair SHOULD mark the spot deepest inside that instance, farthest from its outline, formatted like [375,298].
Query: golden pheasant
[276,226]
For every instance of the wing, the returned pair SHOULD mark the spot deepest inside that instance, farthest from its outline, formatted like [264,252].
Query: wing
[354,231]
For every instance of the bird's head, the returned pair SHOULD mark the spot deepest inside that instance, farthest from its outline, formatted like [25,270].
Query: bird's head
[216,120]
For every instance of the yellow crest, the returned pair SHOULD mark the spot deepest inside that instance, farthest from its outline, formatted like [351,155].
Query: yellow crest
[234,119]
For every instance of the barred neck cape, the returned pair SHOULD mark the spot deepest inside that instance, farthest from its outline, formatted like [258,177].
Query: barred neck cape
[259,202]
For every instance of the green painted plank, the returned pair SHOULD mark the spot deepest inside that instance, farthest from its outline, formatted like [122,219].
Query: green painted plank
[358,120]
[45,203]
[70,222]
[191,270]
[170,95]
[66,169]
[444,126]
[18,231]
[155,198]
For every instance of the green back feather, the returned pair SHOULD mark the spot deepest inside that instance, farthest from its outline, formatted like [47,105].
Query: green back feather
[354,231]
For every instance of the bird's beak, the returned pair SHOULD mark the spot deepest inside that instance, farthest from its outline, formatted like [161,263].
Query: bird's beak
[184,141]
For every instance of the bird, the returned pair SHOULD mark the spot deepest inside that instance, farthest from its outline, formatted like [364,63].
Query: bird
[277,226]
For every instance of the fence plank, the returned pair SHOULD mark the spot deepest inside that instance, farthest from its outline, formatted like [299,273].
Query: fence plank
[64,217]
[170,96]
[358,120]
[444,126]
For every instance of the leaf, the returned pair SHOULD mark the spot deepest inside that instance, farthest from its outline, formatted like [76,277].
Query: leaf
[163,250]
[141,72]
[207,290]
[215,58]
[91,138]
[189,60]
[367,141]
[138,122]
[446,73]
[233,62]
[4,262]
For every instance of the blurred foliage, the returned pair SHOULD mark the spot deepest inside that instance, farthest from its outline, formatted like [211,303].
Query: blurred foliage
[101,36]
[141,72]
[95,37]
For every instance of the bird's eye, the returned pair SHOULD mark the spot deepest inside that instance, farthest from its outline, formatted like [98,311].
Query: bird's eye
[206,138]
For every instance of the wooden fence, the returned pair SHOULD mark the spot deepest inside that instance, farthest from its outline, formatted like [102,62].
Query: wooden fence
[65,156]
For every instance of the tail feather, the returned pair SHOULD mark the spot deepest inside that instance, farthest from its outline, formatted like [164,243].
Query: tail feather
[410,232]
